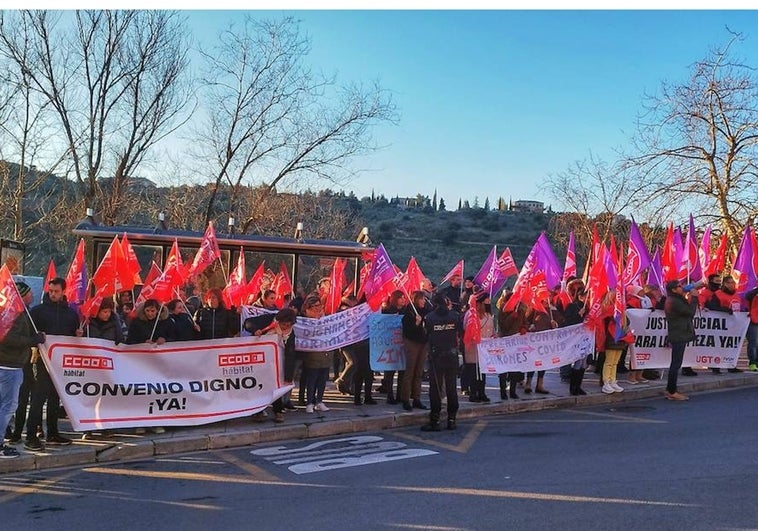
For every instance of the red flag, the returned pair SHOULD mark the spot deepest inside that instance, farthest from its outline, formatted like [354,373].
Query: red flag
[669,262]
[76,278]
[472,328]
[506,264]
[539,291]
[415,275]
[11,302]
[569,268]
[596,245]
[153,274]
[235,291]
[131,260]
[207,253]
[363,277]
[336,284]
[253,287]
[283,285]
[91,306]
[51,274]
[718,260]
[174,259]
[114,270]
[457,270]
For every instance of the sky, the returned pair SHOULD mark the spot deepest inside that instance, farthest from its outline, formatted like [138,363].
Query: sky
[493,102]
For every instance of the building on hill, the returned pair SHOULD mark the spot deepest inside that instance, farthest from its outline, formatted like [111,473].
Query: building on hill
[420,201]
[523,205]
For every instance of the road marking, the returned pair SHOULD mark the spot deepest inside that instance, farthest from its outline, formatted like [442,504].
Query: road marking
[35,487]
[462,447]
[536,496]
[192,476]
[254,471]
[338,453]
[624,418]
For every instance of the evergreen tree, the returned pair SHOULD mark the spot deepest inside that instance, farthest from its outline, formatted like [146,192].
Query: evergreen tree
[501,204]
[476,201]
[460,205]
[434,200]
[442,205]
[487,204]
[466,205]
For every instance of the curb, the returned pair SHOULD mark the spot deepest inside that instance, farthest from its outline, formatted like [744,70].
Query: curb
[177,443]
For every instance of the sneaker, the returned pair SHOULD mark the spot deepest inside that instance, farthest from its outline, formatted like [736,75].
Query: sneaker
[309,408]
[321,407]
[159,429]
[14,439]
[753,367]
[58,440]
[608,389]
[34,444]
[675,396]
[140,431]
[278,418]
[8,452]
[632,382]
[616,387]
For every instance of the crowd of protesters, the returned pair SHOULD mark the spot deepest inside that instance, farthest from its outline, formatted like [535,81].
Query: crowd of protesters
[434,322]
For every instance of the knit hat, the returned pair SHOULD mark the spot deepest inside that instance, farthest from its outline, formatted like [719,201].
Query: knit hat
[23,288]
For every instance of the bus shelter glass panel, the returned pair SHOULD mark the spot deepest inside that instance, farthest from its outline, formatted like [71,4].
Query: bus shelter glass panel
[314,272]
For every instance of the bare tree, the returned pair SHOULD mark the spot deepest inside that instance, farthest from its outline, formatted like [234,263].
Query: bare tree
[270,118]
[697,143]
[116,82]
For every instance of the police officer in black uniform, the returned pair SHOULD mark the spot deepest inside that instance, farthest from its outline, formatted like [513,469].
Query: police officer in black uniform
[444,328]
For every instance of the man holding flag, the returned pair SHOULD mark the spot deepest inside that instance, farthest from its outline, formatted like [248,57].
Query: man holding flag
[15,350]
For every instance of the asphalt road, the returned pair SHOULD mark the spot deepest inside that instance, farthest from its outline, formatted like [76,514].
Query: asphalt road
[649,464]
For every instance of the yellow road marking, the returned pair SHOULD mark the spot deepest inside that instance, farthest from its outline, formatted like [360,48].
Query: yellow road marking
[255,471]
[192,476]
[462,447]
[536,496]
[37,486]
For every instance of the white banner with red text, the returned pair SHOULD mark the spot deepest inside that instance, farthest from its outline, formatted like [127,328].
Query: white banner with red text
[327,333]
[536,351]
[718,339]
[186,383]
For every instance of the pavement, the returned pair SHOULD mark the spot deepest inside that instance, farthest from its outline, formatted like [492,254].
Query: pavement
[346,418]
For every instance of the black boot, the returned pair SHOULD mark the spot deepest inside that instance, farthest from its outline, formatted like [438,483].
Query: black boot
[512,382]
[451,424]
[418,404]
[432,425]
[503,380]
[579,379]
[391,398]
[407,405]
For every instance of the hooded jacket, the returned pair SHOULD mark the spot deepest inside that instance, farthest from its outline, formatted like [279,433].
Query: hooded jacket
[141,329]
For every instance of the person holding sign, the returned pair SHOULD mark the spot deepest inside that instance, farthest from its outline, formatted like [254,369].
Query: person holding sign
[680,309]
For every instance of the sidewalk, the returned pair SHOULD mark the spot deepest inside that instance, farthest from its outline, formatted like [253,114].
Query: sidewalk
[345,418]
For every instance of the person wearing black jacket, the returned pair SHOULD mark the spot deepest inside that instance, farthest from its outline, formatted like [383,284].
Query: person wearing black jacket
[414,339]
[181,325]
[444,328]
[150,325]
[680,310]
[15,353]
[214,320]
[574,314]
[53,316]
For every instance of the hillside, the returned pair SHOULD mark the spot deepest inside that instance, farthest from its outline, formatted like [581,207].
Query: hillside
[439,239]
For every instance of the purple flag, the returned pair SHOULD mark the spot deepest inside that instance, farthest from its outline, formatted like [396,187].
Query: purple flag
[655,273]
[690,258]
[488,274]
[705,249]
[381,271]
[679,254]
[547,262]
[638,256]
[743,271]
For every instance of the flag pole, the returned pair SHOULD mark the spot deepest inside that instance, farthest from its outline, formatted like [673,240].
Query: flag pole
[157,318]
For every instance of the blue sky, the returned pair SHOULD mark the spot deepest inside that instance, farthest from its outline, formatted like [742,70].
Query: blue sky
[493,101]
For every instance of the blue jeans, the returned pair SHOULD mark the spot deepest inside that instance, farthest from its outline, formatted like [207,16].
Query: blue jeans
[10,383]
[752,343]
[316,384]
[677,355]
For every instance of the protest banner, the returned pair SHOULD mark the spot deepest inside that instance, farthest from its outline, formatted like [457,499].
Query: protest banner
[536,351]
[103,385]
[386,349]
[327,333]
[718,339]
